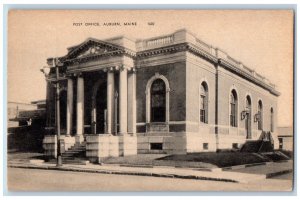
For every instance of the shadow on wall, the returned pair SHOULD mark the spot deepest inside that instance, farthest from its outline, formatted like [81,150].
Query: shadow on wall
[26,138]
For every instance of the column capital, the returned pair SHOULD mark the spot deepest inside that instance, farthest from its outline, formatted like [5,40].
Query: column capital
[125,67]
[69,76]
[132,70]
[118,68]
[110,69]
[78,75]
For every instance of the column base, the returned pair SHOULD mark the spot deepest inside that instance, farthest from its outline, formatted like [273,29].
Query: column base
[121,134]
[79,139]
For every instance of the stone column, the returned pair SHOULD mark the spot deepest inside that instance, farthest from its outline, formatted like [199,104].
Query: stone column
[123,101]
[80,109]
[132,102]
[69,106]
[110,100]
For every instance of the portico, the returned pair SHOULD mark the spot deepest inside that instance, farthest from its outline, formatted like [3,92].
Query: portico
[115,117]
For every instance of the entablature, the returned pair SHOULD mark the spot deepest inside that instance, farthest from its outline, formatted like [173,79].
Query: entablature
[95,54]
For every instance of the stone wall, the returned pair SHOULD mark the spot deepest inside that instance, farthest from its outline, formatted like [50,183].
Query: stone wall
[229,135]
[197,71]
[127,145]
[175,73]
[287,143]
[102,146]
[171,143]
[50,146]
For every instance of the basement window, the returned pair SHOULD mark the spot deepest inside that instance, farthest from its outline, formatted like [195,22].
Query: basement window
[156,146]
[205,146]
[235,145]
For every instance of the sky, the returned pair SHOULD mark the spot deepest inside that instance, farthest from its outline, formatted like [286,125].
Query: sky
[261,39]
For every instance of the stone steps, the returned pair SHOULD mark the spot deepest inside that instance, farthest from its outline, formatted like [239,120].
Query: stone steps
[74,151]
[74,155]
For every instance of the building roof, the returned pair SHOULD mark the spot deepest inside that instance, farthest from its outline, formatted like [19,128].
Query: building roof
[285,131]
[180,40]
[30,114]
[38,102]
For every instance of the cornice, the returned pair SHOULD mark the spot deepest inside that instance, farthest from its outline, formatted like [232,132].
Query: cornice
[248,76]
[116,50]
[162,50]
[200,52]
[88,58]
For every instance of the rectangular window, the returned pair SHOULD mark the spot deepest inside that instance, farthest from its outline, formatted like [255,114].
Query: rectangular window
[158,114]
[232,115]
[235,145]
[280,143]
[259,123]
[202,115]
[202,109]
[156,146]
[205,146]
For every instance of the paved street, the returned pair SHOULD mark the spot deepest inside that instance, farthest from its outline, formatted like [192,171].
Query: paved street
[48,180]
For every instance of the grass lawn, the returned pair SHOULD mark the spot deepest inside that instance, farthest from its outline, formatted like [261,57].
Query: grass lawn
[191,160]
[154,160]
[288,153]
[220,159]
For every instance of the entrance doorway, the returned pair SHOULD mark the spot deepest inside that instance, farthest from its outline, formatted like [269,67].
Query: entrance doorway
[99,107]
[63,111]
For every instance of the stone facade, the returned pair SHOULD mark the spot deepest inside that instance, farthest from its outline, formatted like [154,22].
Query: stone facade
[169,94]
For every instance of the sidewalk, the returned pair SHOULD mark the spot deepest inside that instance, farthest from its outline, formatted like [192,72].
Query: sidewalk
[170,172]
[270,169]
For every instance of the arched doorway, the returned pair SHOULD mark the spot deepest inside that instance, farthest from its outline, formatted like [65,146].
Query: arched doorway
[248,117]
[99,107]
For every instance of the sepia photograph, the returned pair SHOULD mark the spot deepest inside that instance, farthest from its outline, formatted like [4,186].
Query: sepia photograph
[150,100]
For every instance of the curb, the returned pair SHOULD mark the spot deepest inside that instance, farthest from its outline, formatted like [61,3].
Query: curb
[245,166]
[270,175]
[123,173]
[164,166]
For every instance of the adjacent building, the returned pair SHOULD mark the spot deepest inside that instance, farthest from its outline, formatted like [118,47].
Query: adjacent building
[285,137]
[168,94]
[20,114]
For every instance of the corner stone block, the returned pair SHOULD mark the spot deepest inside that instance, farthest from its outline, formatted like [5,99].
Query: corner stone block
[127,145]
[50,146]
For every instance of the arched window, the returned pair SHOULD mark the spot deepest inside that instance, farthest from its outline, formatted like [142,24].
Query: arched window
[204,103]
[272,120]
[158,101]
[233,108]
[248,104]
[260,116]
[248,117]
